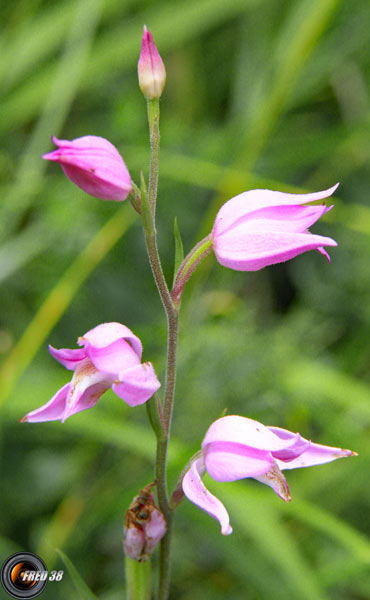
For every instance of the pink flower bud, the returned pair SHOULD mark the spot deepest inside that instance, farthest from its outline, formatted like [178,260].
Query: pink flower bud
[144,526]
[150,68]
[93,164]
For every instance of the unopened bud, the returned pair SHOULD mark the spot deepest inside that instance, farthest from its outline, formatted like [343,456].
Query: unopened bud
[150,68]
[144,526]
[95,165]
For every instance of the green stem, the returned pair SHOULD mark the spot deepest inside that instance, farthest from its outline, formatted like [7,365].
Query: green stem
[165,561]
[148,206]
[155,263]
[161,464]
[138,579]
[163,439]
[153,119]
[172,318]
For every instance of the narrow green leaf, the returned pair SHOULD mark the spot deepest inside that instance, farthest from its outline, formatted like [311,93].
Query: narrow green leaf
[179,249]
[82,588]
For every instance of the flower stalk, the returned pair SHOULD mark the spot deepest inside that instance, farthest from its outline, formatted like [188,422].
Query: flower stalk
[154,136]
[148,205]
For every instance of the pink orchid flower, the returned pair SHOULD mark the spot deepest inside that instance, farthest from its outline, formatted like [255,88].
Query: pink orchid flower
[150,68]
[93,164]
[261,227]
[109,358]
[236,447]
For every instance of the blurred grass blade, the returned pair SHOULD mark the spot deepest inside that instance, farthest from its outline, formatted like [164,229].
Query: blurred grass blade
[60,526]
[56,101]
[305,25]
[61,296]
[357,544]
[24,50]
[260,521]
[83,590]
[173,24]
[22,248]
[309,379]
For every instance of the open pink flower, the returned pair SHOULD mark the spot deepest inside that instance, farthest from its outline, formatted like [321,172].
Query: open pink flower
[93,164]
[236,447]
[261,227]
[109,358]
[150,68]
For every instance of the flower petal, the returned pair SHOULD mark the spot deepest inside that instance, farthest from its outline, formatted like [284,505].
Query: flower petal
[252,200]
[316,454]
[154,530]
[324,253]
[52,410]
[241,430]
[90,143]
[287,454]
[228,461]
[86,399]
[254,250]
[134,542]
[137,384]
[114,358]
[276,218]
[108,333]
[68,358]
[197,493]
[276,480]
[86,387]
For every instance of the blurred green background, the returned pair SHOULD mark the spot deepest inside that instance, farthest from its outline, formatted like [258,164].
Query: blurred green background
[260,93]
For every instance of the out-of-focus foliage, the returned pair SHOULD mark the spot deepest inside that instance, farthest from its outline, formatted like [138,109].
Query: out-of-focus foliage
[259,94]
